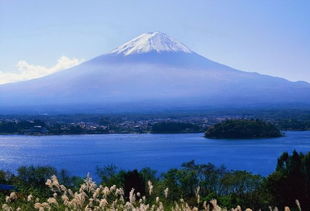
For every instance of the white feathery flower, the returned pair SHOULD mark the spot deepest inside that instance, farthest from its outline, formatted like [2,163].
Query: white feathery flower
[48,182]
[6,207]
[29,198]
[121,198]
[132,197]
[298,204]
[150,186]
[166,191]
[13,196]
[70,192]
[37,205]
[45,205]
[205,205]
[129,205]
[103,203]
[64,197]
[55,180]
[96,193]
[157,199]
[112,188]
[119,192]
[106,191]
[63,188]
[197,194]
[7,199]
[52,201]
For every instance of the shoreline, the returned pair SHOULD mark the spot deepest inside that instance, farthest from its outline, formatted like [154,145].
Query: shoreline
[19,134]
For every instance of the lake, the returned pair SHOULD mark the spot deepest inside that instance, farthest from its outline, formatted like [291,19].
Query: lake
[80,154]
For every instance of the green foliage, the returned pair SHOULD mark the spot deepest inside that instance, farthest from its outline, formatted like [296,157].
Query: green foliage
[16,127]
[110,175]
[149,174]
[69,181]
[231,188]
[291,180]
[293,124]
[175,127]
[32,179]
[134,180]
[243,128]
[6,177]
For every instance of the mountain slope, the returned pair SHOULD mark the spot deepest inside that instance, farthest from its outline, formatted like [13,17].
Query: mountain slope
[154,71]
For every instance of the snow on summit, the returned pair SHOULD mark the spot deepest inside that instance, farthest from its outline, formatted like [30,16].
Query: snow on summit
[153,41]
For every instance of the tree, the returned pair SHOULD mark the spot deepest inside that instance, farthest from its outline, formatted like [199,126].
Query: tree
[291,180]
[134,180]
[32,179]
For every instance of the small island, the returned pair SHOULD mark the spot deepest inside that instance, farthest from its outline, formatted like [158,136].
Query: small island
[243,129]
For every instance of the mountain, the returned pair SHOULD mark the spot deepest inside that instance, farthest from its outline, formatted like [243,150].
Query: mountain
[155,41]
[151,71]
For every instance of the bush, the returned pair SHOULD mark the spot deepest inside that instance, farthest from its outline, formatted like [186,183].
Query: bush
[291,180]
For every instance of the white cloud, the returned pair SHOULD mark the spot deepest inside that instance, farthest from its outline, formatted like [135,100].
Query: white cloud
[26,71]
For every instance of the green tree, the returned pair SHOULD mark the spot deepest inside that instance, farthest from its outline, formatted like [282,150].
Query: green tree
[291,179]
[31,179]
[134,180]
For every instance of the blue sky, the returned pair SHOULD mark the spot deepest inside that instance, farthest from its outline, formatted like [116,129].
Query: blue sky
[266,36]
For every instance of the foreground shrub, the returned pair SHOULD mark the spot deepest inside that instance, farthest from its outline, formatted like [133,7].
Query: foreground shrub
[91,197]
[291,180]
[192,186]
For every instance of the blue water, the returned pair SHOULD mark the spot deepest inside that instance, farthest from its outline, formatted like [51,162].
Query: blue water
[80,154]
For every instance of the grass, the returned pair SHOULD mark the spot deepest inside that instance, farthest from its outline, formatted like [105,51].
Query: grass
[91,197]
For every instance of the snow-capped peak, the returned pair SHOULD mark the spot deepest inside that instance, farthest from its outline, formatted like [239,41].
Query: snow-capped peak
[153,41]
